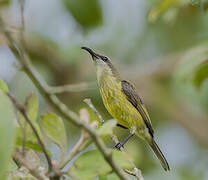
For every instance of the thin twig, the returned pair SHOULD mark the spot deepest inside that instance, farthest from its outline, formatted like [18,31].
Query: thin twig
[73,152]
[22,10]
[22,7]
[71,88]
[24,137]
[23,112]
[61,108]
[136,172]
[89,103]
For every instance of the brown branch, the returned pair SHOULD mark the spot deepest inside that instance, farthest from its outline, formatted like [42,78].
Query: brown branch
[136,172]
[61,108]
[23,112]
[24,136]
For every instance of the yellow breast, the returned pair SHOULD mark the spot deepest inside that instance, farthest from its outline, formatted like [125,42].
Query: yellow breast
[116,102]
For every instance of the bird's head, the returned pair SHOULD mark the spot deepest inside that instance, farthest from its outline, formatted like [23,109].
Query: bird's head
[98,59]
[102,63]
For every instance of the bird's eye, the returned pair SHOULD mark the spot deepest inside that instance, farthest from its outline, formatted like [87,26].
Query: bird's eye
[104,58]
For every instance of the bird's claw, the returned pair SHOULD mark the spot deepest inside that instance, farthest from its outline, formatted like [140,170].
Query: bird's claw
[118,145]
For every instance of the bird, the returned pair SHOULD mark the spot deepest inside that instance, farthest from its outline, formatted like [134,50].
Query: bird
[124,104]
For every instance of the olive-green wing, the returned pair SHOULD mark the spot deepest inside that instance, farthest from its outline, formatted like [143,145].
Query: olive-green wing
[136,101]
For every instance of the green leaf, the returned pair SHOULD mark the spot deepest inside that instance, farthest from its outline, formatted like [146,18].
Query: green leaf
[53,127]
[31,106]
[7,119]
[89,165]
[111,176]
[92,164]
[3,86]
[4,2]
[30,138]
[87,13]
[31,141]
[169,10]
[103,177]
[160,8]
[200,74]
[107,128]
[12,165]
[122,159]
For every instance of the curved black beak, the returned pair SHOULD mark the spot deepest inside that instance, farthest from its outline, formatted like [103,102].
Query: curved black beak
[93,54]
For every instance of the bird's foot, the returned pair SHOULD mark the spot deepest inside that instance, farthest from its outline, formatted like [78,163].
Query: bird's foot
[119,145]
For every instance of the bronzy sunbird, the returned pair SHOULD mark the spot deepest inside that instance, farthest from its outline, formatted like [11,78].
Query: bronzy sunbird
[124,104]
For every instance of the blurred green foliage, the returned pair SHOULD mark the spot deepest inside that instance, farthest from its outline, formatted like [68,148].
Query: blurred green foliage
[4,2]
[3,86]
[31,106]
[190,73]
[87,13]
[201,74]
[169,10]
[7,133]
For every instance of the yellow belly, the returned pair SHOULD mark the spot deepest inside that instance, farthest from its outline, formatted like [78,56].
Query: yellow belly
[118,106]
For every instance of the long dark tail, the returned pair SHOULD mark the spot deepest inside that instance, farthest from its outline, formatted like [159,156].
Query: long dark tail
[159,155]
